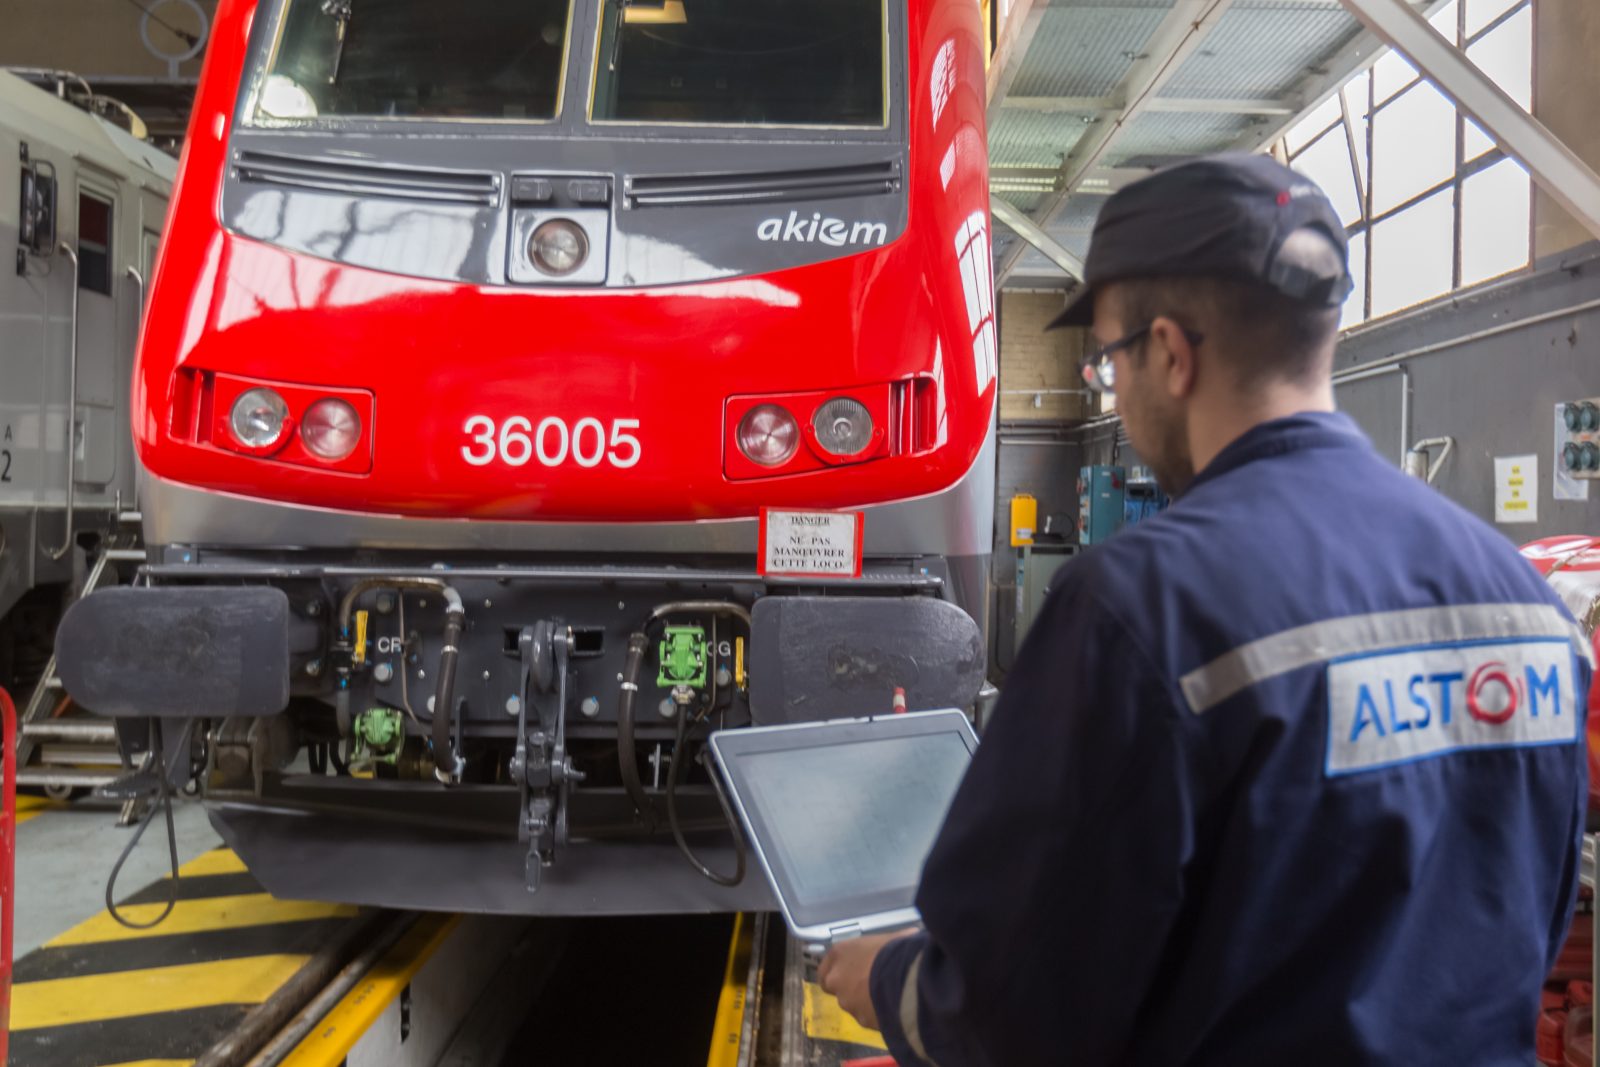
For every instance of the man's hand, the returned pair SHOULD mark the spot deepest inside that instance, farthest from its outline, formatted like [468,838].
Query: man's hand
[846,973]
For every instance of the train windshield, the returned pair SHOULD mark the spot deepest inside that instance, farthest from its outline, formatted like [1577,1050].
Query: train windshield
[742,62]
[469,59]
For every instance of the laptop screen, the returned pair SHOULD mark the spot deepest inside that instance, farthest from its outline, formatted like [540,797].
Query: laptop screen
[845,824]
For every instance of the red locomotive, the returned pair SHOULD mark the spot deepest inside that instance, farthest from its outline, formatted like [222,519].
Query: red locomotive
[481,342]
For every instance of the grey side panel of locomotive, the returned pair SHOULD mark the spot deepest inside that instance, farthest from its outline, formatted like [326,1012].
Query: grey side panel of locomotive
[88,159]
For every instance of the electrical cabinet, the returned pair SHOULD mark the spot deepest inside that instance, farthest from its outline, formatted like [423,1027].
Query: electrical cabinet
[1101,502]
[1036,571]
[1579,453]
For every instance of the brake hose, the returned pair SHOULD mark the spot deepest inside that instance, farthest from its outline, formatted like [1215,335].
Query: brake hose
[627,754]
[447,760]
[679,758]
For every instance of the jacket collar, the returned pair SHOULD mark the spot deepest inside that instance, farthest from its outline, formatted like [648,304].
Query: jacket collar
[1295,433]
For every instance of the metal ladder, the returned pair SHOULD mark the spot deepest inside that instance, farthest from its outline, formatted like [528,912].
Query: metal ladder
[76,751]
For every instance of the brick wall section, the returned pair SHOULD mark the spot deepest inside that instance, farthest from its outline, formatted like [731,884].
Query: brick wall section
[1030,358]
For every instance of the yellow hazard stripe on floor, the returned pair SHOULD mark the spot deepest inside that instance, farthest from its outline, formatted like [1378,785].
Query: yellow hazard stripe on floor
[729,1023]
[32,807]
[64,1001]
[154,1063]
[824,1020]
[217,861]
[197,916]
[342,1027]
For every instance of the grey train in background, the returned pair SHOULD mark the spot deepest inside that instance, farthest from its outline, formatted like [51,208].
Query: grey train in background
[82,203]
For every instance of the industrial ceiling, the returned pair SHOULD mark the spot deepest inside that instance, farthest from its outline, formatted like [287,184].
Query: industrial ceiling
[1085,95]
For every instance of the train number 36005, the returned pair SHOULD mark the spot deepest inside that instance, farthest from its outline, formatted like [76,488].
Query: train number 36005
[516,441]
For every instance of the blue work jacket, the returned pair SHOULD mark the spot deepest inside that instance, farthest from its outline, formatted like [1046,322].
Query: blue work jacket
[1289,774]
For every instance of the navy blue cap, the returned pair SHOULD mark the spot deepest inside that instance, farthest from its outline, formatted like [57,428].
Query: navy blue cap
[1222,216]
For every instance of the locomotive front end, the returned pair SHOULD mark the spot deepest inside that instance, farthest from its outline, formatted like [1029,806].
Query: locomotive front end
[485,355]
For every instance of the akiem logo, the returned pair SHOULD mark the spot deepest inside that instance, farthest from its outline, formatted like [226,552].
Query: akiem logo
[818,229]
[1397,707]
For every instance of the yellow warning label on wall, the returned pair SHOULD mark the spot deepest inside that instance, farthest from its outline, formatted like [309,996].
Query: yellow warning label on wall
[1516,488]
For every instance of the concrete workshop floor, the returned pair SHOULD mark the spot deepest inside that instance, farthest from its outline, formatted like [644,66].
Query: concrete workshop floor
[65,853]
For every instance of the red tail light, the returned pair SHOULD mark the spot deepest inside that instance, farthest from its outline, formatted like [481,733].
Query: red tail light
[796,433]
[331,429]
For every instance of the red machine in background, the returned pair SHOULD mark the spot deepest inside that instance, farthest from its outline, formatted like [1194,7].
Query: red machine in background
[1566,1027]
[478,344]
[1572,566]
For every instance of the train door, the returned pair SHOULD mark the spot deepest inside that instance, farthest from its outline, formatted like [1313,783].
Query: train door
[103,292]
[152,213]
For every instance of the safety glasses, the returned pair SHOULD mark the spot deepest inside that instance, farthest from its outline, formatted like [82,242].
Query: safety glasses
[1098,369]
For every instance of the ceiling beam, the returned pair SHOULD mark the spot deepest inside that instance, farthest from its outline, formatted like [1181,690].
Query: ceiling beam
[1189,105]
[1023,227]
[1177,37]
[1011,47]
[1325,80]
[1570,181]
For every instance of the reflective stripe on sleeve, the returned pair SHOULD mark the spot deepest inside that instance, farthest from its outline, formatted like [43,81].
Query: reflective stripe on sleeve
[908,1011]
[1305,646]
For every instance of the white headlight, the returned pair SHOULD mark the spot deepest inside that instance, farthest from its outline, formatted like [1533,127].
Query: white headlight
[331,429]
[257,418]
[843,427]
[768,435]
[558,247]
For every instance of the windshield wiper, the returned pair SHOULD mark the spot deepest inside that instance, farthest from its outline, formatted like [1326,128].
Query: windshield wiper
[340,11]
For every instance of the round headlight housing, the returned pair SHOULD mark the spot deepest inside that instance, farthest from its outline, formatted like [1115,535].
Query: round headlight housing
[768,435]
[843,427]
[258,418]
[331,429]
[558,247]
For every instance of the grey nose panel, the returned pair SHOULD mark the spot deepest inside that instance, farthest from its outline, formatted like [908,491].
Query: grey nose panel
[816,658]
[190,652]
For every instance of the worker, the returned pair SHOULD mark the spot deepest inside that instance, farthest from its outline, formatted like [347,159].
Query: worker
[1287,774]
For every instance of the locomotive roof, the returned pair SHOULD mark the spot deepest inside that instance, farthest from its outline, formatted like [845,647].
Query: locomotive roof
[40,116]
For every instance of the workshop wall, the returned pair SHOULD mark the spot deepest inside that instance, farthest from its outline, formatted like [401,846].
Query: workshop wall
[1495,395]
[1034,454]
[1035,363]
[109,43]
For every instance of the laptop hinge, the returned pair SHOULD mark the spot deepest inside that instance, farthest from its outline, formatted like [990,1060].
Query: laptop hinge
[844,931]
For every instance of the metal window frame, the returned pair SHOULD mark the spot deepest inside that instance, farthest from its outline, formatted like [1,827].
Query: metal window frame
[1560,172]
[1463,169]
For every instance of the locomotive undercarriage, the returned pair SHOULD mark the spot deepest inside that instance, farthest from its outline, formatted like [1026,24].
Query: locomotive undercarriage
[562,706]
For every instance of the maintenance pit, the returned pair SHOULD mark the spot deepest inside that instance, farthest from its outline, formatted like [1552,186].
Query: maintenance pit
[235,976]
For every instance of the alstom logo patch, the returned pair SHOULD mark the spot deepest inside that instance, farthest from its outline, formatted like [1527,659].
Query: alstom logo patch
[1396,707]
[818,228]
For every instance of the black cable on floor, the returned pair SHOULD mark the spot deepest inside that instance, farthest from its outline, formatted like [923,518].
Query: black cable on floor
[164,801]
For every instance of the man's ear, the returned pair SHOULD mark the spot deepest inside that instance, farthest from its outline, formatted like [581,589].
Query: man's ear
[1174,358]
